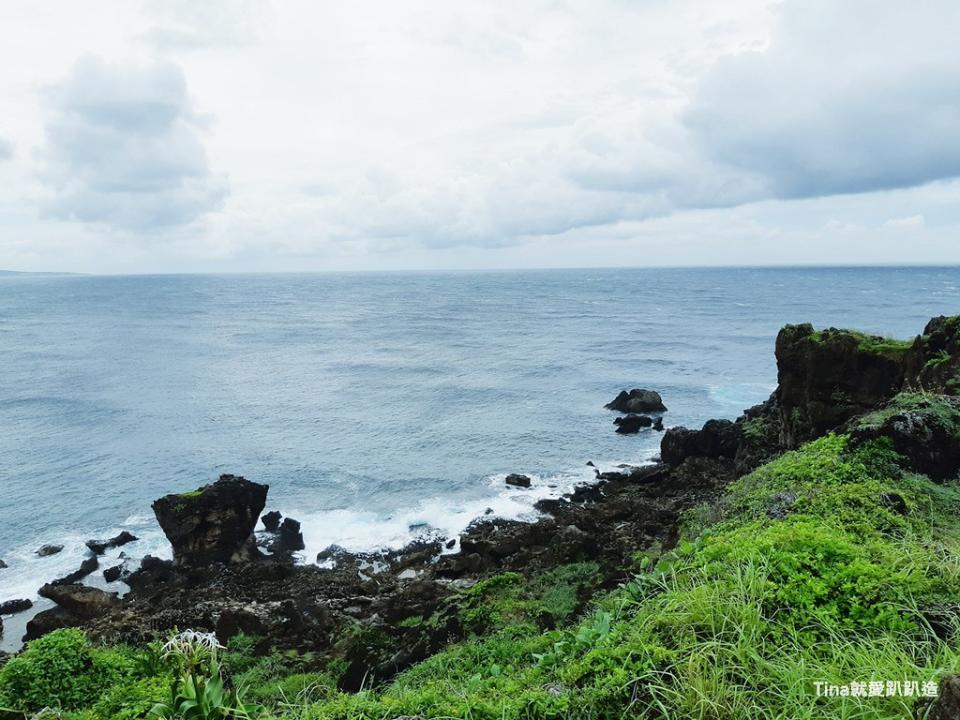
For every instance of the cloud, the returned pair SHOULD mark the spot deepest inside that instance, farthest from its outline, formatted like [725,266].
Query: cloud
[6,149]
[124,148]
[849,97]
[190,25]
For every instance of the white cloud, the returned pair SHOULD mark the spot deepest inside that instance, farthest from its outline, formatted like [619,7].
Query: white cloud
[848,97]
[547,132]
[124,148]
[6,149]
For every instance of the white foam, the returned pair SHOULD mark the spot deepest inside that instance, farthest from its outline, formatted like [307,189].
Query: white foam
[367,530]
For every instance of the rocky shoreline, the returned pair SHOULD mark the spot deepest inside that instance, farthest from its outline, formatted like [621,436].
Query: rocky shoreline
[360,606]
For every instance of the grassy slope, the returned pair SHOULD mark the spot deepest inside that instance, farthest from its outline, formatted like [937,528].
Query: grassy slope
[826,564]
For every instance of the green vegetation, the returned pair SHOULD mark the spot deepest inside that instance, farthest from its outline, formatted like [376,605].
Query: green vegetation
[870,344]
[828,564]
[940,410]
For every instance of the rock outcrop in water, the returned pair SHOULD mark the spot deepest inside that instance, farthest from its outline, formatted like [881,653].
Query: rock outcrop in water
[638,400]
[99,547]
[214,523]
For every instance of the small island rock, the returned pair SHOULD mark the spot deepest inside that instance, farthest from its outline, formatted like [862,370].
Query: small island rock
[638,400]
[517,480]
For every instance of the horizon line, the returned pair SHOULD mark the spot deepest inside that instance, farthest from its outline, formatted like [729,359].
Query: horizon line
[451,271]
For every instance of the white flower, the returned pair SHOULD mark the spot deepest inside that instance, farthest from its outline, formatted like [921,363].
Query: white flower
[189,642]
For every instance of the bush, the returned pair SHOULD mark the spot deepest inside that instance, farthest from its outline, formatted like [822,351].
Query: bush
[60,670]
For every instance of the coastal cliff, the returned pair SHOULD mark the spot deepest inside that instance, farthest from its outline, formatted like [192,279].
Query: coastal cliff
[816,538]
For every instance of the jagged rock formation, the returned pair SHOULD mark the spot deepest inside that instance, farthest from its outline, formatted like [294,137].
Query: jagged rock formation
[214,523]
[828,377]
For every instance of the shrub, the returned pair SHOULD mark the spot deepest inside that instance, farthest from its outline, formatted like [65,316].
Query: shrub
[60,670]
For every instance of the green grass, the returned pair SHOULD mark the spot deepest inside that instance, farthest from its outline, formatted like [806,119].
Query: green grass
[870,344]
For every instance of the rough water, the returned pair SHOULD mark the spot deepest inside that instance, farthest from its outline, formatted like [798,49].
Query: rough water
[376,405]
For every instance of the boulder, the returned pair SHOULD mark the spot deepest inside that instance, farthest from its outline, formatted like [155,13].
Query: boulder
[112,574]
[10,607]
[638,400]
[81,601]
[631,424]
[271,520]
[3,565]
[101,546]
[48,550]
[717,438]
[46,621]
[517,480]
[86,567]
[946,706]
[152,571]
[924,430]
[214,523]
[290,538]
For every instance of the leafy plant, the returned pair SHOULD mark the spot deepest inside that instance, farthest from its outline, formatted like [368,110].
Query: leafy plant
[198,692]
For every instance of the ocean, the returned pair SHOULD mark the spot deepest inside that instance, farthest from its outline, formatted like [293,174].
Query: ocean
[377,406]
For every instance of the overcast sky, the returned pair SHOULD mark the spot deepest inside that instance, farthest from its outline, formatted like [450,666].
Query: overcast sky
[239,135]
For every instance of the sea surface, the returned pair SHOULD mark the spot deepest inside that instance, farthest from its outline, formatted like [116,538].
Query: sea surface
[377,406]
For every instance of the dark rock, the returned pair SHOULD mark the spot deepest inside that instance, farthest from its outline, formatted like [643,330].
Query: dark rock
[48,550]
[333,552]
[926,434]
[450,543]
[637,400]
[112,574]
[933,364]
[152,572]
[3,565]
[46,621]
[10,607]
[549,505]
[895,502]
[271,520]
[946,706]
[81,601]
[827,377]
[290,538]
[517,480]
[717,438]
[590,463]
[658,424]
[101,546]
[641,473]
[631,424]
[214,523]
[86,567]
[234,621]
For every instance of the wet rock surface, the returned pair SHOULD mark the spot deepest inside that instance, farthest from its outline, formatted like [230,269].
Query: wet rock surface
[48,550]
[99,547]
[11,607]
[632,424]
[517,480]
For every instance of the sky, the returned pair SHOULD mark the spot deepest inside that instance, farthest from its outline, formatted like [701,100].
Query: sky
[311,135]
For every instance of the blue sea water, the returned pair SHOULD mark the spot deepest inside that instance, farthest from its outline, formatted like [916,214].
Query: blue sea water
[376,403]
